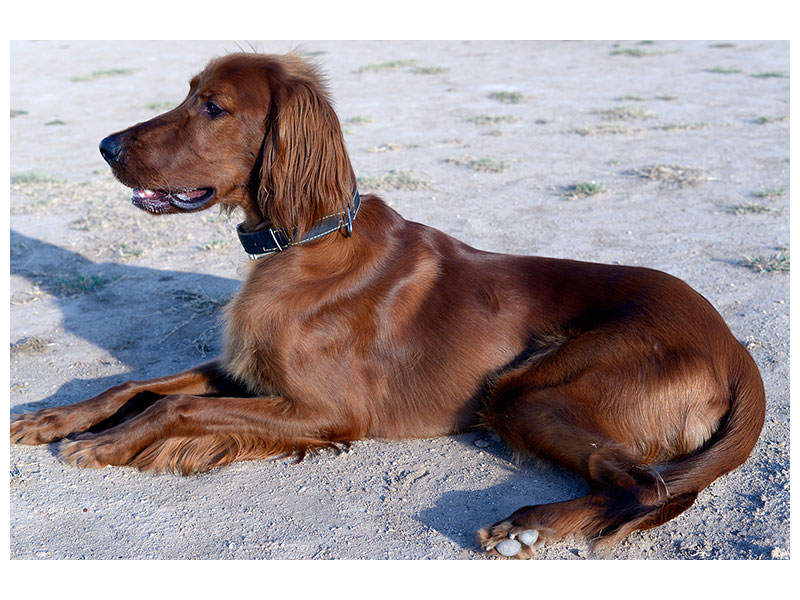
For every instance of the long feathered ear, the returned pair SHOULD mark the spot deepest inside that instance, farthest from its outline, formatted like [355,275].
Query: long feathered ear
[306,173]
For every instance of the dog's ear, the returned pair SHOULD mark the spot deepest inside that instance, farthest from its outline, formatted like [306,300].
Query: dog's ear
[306,173]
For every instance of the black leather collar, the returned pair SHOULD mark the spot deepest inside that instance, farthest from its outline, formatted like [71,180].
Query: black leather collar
[268,241]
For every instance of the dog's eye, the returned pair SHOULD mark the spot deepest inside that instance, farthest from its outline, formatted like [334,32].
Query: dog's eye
[212,110]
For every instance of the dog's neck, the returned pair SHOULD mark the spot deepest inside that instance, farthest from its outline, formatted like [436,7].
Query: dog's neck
[271,240]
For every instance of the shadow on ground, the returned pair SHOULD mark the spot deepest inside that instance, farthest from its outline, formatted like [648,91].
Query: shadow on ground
[152,321]
[529,481]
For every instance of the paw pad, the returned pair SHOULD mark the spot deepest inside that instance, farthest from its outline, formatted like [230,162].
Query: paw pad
[509,547]
[529,537]
[512,544]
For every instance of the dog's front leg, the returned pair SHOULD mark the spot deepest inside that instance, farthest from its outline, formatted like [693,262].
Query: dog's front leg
[52,424]
[188,434]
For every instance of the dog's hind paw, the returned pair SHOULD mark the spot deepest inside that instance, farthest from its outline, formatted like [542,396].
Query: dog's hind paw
[509,541]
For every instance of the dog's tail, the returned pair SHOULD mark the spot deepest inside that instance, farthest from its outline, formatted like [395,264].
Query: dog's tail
[728,448]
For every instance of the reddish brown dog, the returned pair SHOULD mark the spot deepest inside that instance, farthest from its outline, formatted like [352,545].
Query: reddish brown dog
[368,325]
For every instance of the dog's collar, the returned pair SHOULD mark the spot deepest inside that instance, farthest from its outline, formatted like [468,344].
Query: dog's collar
[268,241]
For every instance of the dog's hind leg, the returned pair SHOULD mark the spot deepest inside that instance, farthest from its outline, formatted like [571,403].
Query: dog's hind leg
[550,423]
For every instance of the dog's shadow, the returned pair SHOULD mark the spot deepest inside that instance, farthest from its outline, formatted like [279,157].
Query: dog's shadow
[114,307]
[457,514]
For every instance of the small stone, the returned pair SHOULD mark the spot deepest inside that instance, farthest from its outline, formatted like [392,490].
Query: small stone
[509,547]
[481,443]
[529,537]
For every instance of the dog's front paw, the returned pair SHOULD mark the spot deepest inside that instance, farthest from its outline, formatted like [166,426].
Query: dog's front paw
[87,451]
[41,427]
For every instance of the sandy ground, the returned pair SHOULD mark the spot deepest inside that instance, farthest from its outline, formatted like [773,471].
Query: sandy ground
[689,142]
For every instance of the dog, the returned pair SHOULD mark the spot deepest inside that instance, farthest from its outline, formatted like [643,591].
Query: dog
[354,323]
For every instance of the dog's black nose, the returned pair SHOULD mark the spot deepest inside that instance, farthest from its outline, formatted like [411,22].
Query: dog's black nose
[110,149]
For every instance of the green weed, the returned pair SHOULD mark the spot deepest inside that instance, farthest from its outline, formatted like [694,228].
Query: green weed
[724,71]
[635,52]
[481,165]
[34,177]
[387,66]
[765,120]
[359,120]
[429,70]
[582,189]
[682,126]
[771,194]
[774,263]
[76,285]
[102,74]
[507,97]
[770,74]
[481,120]
[624,113]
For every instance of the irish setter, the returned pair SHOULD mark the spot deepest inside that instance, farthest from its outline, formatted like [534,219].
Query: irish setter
[355,323]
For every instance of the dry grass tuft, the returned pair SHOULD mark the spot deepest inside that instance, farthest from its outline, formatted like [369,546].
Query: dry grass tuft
[604,129]
[481,165]
[625,113]
[30,345]
[392,180]
[673,175]
[749,208]
[482,120]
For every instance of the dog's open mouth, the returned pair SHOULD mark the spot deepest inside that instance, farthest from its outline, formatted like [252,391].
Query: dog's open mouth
[160,202]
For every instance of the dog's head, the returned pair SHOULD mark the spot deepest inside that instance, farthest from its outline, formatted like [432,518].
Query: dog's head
[255,132]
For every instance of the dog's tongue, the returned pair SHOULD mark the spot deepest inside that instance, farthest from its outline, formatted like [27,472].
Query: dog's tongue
[148,194]
[190,195]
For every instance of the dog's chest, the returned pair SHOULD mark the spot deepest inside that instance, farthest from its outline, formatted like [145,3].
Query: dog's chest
[274,330]
[254,320]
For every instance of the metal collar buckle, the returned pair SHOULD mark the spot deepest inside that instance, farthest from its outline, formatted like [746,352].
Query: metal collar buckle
[348,226]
